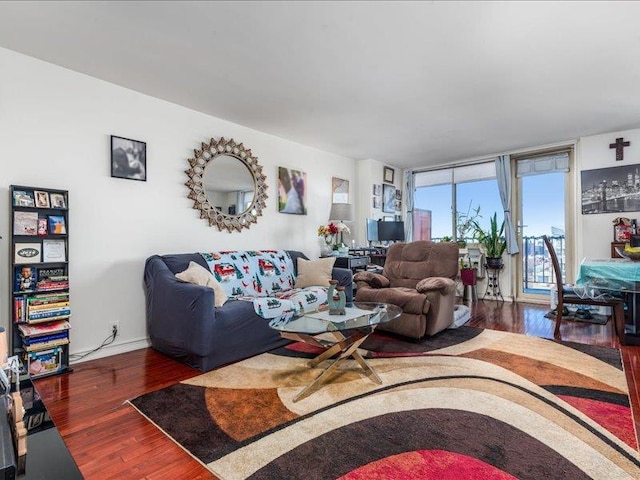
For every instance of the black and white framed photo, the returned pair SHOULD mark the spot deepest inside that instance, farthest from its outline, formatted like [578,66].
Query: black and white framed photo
[610,190]
[388,175]
[377,189]
[128,158]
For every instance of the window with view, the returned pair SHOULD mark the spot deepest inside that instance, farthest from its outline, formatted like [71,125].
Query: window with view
[453,197]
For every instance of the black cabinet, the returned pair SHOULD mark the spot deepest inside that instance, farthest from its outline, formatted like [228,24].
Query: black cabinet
[353,262]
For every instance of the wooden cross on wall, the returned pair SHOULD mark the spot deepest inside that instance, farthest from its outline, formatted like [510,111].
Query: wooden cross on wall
[619,146]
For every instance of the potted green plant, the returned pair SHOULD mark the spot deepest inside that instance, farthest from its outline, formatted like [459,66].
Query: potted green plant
[464,223]
[492,240]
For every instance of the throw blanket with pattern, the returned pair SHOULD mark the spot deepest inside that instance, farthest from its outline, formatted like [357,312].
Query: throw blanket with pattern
[287,305]
[253,273]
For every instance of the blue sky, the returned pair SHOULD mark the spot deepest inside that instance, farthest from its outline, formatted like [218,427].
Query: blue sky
[543,203]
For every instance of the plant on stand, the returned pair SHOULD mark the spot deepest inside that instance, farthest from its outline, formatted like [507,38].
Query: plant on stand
[492,240]
[465,224]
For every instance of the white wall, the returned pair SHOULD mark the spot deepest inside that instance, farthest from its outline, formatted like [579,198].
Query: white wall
[55,127]
[595,231]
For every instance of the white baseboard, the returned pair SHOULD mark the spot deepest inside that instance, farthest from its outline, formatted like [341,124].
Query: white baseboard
[113,349]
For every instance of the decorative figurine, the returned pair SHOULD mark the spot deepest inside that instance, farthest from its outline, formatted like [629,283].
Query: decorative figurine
[336,305]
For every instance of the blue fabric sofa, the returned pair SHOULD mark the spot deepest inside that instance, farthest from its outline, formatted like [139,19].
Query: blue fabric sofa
[183,323]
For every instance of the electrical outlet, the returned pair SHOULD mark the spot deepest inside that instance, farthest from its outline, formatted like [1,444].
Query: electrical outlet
[115,328]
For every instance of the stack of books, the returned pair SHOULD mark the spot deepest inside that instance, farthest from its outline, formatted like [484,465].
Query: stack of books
[44,336]
[53,283]
[42,307]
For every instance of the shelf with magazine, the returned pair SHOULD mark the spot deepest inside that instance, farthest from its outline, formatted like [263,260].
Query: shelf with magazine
[39,269]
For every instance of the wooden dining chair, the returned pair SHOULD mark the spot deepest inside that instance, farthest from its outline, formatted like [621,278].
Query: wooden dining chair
[568,296]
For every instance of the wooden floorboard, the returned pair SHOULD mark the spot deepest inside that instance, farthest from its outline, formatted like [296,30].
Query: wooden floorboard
[109,439]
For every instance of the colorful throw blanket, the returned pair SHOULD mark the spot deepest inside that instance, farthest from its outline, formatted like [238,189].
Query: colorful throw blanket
[259,273]
[287,305]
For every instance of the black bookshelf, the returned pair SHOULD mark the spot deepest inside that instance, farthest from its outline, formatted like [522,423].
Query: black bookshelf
[39,278]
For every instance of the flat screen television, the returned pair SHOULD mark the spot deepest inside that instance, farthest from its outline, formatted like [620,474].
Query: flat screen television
[372,230]
[390,231]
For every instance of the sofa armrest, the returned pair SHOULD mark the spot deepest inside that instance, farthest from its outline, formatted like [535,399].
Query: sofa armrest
[442,284]
[344,276]
[180,316]
[374,280]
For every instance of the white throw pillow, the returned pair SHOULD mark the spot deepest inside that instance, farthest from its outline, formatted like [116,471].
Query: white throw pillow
[198,275]
[314,272]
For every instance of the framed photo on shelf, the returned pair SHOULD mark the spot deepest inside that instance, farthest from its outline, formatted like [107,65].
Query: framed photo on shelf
[57,200]
[42,199]
[388,198]
[42,227]
[22,198]
[54,251]
[388,175]
[128,159]
[57,225]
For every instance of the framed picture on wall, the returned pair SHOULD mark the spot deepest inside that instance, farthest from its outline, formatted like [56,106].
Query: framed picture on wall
[128,159]
[377,190]
[388,175]
[610,190]
[340,190]
[388,198]
[292,192]
[377,203]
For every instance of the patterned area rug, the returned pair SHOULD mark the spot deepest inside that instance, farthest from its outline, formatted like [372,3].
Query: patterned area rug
[466,404]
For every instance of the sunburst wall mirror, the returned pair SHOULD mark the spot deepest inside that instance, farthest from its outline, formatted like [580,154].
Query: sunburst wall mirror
[227,185]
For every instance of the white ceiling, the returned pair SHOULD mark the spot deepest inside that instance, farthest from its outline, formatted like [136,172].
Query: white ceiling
[406,83]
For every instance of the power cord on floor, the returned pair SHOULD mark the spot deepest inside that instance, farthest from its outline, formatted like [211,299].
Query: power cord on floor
[107,341]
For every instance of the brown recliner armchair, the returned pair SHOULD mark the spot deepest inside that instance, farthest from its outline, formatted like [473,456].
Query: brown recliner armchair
[419,278]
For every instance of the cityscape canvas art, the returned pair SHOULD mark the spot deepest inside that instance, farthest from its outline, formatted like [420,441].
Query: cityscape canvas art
[608,190]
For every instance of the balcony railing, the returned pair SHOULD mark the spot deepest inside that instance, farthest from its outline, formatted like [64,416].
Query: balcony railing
[537,269]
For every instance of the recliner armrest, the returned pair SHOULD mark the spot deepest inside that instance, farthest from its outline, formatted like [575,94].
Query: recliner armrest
[443,284]
[374,280]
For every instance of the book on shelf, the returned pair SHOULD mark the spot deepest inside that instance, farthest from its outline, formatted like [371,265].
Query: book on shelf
[48,306]
[44,362]
[23,198]
[46,338]
[58,200]
[47,319]
[35,347]
[25,223]
[46,316]
[44,329]
[44,273]
[43,228]
[27,253]
[57,225]
[24,279]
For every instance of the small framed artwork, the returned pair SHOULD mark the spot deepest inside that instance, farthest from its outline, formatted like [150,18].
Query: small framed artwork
[388,198]
[377,190]
[292,192]
[377,203]
[340,190]
[398,204]
[57,200]
[398,194]
[42,199]
[128,159]
[57,225]
[387,218]
[27,253]
[22,198]
[388,175]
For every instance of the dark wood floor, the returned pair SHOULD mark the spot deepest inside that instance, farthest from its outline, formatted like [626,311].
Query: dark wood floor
[110,440]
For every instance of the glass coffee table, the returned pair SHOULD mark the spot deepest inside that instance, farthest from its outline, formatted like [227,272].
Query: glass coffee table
[339,335]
